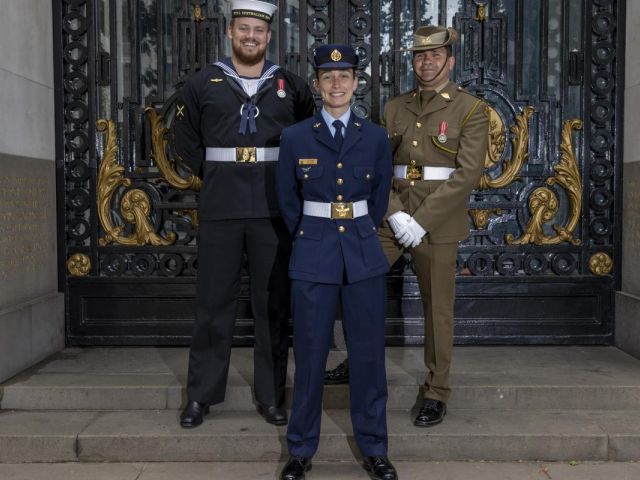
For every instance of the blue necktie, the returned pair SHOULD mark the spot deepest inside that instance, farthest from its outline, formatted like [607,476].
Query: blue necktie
[338,136]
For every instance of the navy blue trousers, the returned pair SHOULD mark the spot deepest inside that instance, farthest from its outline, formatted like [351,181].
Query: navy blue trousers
[314,308]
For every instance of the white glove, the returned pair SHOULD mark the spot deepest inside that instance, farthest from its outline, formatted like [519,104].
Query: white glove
[399,223]
[417,232]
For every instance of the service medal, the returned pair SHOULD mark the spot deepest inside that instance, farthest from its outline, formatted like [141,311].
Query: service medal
[281,93]
[442,134]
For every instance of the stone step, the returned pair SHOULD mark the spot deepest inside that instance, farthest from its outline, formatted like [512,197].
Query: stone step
[144,393]
[155,436]
[482,378]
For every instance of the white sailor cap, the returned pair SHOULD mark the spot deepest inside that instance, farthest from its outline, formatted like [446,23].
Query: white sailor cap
[253,8]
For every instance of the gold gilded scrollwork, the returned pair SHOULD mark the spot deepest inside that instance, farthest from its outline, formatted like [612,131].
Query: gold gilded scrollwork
[519,154]
[159,152]
[600,264]
[79,265]
[543,203]
[568,177]
[135,205]
[481,13]
[481,216]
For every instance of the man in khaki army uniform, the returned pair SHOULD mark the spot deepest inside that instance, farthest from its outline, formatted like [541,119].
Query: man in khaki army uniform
[439,132]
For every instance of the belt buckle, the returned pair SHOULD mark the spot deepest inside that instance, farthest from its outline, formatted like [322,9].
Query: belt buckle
[341,210]
[246,155]
[414,172]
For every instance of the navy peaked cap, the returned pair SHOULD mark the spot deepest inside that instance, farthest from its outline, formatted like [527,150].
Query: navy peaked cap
[334,56]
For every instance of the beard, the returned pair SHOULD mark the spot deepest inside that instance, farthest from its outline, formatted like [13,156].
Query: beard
[248,59]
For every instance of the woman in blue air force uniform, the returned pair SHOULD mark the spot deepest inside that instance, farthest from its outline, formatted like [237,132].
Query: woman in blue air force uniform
[333,182]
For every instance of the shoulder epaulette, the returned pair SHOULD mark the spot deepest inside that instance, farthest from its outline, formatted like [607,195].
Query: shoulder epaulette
[464,90]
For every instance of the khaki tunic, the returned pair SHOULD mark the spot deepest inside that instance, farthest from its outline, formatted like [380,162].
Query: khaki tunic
[439,206]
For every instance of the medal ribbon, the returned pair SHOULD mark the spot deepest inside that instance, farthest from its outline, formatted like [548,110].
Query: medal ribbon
[443,129]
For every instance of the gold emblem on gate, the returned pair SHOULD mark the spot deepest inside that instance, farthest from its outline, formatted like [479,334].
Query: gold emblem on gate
[341,210]
[414,172]
[246,155]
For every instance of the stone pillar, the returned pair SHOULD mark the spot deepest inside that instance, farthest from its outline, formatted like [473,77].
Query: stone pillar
[628,299]
[31,308]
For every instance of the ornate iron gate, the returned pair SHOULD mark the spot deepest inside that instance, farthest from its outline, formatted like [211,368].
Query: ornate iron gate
[543,259]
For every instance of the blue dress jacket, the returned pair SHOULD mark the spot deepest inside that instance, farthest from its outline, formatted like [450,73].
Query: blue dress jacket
[311,167]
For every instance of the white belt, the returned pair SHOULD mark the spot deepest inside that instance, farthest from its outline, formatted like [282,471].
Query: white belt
[335,210]
[242,154]
[428,173]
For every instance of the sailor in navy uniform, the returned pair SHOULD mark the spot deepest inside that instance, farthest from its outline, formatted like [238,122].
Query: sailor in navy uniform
[228,121]
[333,182]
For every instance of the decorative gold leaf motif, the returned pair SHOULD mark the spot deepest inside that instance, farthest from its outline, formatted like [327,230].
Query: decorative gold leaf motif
[481,13]
[600,264]
[79,265]
[543,203]
[543,206]
[519,153]
[480,217]
[197,14]
[497,137]
[135,205]
[159,153]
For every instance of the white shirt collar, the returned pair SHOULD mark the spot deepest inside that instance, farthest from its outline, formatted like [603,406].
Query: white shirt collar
[328,119]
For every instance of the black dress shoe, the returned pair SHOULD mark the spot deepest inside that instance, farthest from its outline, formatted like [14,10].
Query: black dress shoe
[337,376]
[295,467]
[380,468]
[273,415]
[431,413]
[193,414]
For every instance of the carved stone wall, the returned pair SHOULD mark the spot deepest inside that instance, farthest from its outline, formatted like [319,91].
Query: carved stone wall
[31,309]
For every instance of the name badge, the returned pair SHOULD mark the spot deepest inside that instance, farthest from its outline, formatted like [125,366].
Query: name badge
[307,161]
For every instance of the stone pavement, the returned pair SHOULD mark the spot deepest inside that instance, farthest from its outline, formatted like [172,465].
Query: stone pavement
[321,471]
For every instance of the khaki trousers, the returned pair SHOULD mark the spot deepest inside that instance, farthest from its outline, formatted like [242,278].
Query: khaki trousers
[435,266]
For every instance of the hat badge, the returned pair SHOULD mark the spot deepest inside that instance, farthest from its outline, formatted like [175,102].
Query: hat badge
[336,56]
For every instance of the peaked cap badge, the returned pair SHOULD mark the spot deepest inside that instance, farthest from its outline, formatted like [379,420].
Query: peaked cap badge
[336,56]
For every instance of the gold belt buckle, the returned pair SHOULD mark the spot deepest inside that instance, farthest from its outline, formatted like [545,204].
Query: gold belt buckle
[341,210]
[246,155]
[414,172]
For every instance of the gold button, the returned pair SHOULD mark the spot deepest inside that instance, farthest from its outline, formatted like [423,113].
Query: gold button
[412,183]
[367,176]
[339,165]
[306,175]
[339,181]
[413,162]
[301,232]
[341,229]
[339,198]
[414,143]
[418,125]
